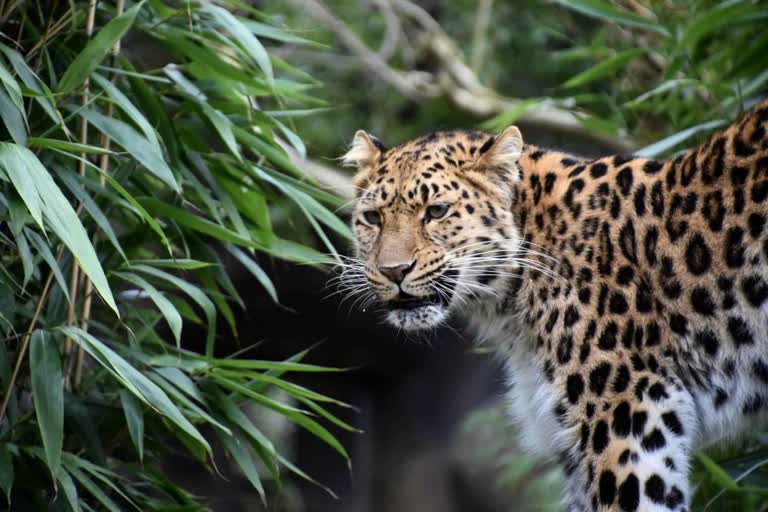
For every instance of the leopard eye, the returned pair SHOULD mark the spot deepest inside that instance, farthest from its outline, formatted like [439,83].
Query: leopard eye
[372,217]
[436,211]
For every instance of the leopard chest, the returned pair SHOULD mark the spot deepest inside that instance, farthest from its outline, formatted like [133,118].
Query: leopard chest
[531,396]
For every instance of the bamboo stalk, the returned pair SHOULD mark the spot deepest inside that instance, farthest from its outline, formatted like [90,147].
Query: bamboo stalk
[104,166]
[75,272]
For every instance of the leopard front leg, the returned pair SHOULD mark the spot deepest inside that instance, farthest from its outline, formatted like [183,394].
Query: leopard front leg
[634,449]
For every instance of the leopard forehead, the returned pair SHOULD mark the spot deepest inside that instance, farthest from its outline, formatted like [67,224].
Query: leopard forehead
[422,170]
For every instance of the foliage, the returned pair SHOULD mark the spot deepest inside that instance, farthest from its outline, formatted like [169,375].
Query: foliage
[673,69]
[488,441]
[125,178]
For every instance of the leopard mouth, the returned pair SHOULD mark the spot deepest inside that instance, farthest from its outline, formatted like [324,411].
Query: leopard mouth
[409,302]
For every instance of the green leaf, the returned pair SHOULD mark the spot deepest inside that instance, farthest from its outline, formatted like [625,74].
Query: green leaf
[179,263]
[604,68]
[718,474]
[47,391]
[13,118]
[670,142]
[69,488]
[134,418]
[144,151]
[135,382]
[44,95]
[6,472]
[223,127]
[301,474]
[244,37]
[37,188]
[272,32]
[27,264]
[254,268]
[606,12]
[295,415]
[139,210]
[94,489]
[307,203]
[196,222]
[64,145]
[263,446]
[97,49]
[238,449]
[93,210]
[45,252]
[714,19]
[200,298]
[163,304]
[128,107]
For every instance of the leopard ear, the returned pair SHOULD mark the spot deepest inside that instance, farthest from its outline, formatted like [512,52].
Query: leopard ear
[500,155]
[364,152]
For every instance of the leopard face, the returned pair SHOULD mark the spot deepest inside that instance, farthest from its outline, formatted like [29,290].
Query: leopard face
[432,222]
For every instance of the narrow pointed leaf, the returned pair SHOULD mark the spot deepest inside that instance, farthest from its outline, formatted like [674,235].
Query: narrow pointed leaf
[134,418]
[163,304]
[145,152]
[6,472]
[135,382]
[45,252]
[67,485]
[45,370]
[37,188]
[97,49]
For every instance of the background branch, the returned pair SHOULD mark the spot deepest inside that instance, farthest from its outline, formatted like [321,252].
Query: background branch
[453,79]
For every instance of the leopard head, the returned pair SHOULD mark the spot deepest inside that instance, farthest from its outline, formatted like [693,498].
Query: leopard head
[432,222]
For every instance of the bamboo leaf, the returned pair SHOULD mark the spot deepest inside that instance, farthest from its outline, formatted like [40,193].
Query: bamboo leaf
[135,382]
[47,390]
[13,118]
[295,415]
[93,210]
[718,474]
[37,188]
[69,489]
[196,222]
[223,127]
[163,304]
[127,106]
[97,49]
[200,298]
[65,145]
[6,472]
[604,11]
[28,265]
[238,450]
[604,68]
[45,252]
[145,152]
[44,95]
[244,37]
[134,418]
[254,268]
[670,142]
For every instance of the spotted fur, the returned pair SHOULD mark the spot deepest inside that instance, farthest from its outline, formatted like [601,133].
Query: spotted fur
[629,296]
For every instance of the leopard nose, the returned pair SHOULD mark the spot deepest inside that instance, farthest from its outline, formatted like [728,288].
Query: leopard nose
[396,273]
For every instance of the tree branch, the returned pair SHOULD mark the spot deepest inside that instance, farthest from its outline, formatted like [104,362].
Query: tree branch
[454,79]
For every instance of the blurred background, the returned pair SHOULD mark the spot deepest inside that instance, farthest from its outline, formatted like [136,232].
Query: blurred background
[197,143]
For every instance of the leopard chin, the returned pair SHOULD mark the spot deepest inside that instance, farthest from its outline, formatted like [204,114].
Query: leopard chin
[413,313]
[418,318]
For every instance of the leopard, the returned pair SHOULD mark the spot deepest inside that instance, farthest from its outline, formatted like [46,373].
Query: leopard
[627,296]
